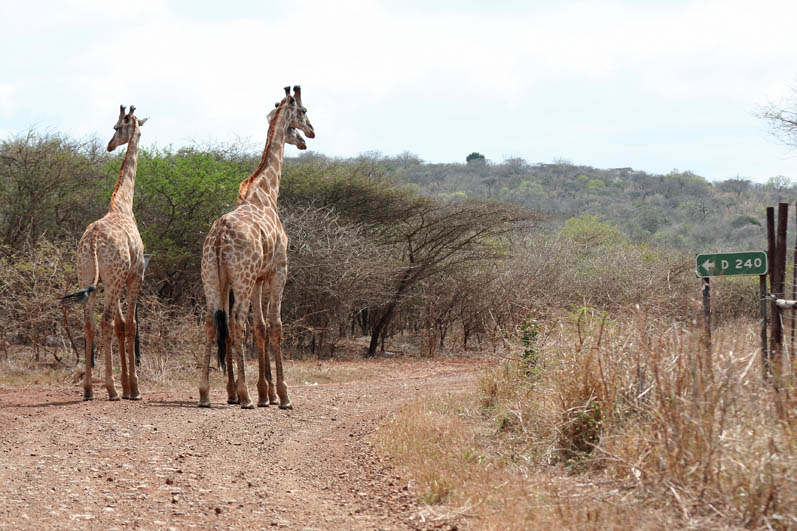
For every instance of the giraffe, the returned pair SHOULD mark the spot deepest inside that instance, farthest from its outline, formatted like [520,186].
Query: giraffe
[246,252]
[292,136]
[111,251]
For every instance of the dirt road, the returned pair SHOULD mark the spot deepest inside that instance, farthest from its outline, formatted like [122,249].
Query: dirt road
[165,463]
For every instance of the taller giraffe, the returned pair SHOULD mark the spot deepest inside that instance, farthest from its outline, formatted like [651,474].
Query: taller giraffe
[111,251]
[292,136]
[246,252]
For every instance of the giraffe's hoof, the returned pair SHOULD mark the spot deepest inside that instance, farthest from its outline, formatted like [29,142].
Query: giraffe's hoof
[136,397]
[286,405]
[125,397]
[114,398]
[204,404]
[262,403]
[233,401]
[87,397]
[248,405]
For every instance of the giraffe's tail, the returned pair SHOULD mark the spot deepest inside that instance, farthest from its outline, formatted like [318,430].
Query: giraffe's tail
[137,343]
[83,295]
[221,337]
[79,296]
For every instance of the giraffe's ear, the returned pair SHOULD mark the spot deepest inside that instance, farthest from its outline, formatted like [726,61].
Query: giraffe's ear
[143,121]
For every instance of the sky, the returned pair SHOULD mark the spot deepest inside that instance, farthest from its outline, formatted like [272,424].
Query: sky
[654,85]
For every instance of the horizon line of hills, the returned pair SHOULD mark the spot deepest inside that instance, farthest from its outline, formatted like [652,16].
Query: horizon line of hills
[680,209]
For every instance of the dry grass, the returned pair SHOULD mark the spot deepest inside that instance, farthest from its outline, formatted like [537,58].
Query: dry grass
[611,425]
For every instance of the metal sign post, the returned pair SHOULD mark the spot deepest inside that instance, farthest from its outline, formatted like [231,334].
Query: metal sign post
[753,263]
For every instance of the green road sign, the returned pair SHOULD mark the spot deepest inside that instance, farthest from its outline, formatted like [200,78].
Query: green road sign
[725,264]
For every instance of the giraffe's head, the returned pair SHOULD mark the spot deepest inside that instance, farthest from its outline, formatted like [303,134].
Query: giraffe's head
[126,126]
[297,113]
[295,137]
[292,136]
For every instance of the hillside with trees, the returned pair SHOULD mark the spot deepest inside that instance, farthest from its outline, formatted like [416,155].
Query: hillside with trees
[678,210]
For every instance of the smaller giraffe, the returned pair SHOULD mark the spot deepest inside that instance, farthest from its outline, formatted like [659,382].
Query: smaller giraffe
[111,251]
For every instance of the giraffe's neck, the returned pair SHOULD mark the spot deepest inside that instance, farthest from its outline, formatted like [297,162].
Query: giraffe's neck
[265,180]
[122,199]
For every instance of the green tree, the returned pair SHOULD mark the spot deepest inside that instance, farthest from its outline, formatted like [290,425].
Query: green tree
[589,230]
[178,196]
[49,184]
[595,185]
[475,157]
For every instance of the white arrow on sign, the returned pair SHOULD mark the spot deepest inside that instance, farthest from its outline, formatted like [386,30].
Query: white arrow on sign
[708,265]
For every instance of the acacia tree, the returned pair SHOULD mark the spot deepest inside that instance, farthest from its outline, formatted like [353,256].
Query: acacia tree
[783,119]
[332,276]
[437,239]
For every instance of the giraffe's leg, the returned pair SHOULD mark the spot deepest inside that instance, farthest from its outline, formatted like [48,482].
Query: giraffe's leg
[265,386]
[119,330]
[237,323]
[275,332]
[106,329]
[232,391]
[272,389]
[204,369]
[133,289]
[90,329]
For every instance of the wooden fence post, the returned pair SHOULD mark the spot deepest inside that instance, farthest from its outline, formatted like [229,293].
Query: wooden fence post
[777,246]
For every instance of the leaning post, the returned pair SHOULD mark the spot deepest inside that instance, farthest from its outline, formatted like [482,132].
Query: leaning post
[766,355]
[762,297]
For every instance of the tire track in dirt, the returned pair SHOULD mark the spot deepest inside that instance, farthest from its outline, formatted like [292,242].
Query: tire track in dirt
[164,463]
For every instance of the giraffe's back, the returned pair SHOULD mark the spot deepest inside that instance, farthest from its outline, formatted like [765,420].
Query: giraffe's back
[119,250]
